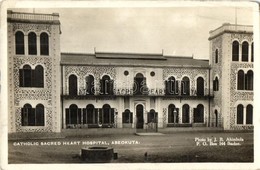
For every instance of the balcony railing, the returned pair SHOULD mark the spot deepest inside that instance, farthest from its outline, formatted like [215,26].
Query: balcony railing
[32,16]
[129,92]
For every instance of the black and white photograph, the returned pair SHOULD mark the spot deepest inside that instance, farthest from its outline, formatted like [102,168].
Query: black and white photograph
[152,86]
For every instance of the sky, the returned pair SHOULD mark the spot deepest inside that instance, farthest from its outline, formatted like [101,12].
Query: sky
[179,31]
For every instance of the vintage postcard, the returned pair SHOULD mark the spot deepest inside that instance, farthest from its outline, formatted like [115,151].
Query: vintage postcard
[159,85]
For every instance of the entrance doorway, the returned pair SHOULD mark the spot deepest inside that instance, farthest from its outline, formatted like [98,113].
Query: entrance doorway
[139,116]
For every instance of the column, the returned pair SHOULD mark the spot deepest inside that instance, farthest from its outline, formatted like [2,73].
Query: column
[98,116]
[26,44]
[81,116]
[38,45]
[240,53]
[249,52]
[64,117]
[180,115]
[244,116]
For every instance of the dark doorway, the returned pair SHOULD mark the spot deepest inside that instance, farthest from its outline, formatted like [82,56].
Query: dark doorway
[216,120]
[139,116]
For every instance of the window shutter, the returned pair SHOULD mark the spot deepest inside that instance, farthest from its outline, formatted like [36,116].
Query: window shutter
[39,116]
[131,117]
[182,87]
[214,85]
[92,89]
[169,87]
[31,116]
[38,76]
[246,82]
[166,87]
[21,78]
[156,117]
[85,116]
[101,85]
[41,78]
[188,87]
[23,117]
[96,117]
[79,116]
[34,83]
[176,87]
[88,86]
[100,116]
[67,116]
[195,113]
[112,115]
[111,87]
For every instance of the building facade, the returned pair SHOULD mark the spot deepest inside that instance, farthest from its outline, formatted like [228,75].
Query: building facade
[232,58]
[50,90]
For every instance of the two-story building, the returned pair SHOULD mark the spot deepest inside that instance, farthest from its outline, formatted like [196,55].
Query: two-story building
[50,90]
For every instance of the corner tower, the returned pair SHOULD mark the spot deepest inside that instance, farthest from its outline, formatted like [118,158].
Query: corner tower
[34,72]
[231,60]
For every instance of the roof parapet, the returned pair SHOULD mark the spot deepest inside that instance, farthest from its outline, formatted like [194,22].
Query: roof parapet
[30,17]
[231,28]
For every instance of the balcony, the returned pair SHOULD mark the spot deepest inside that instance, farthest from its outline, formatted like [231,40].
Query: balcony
[129,92]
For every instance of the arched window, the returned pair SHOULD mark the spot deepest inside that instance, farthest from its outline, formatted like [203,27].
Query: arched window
[25,76]
[185,86]
[173,114]
[249,80]
[152,116]
[39,115]
[171,86]
[186,113]
[127,116]
[44,41]
[252,52]
[73,115]
[31,78]
[73,85]
[240,114]
[245,51]
[90,115]
[32,43]
[39,74]
[235,51]
[90,89]
[240,80]
[140,86]
[26,116]
[106,86]
[19,42]
[199,114]
[107,116]
[249,114]
[216,56]
[216,84]
[31,116]
[200,86]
